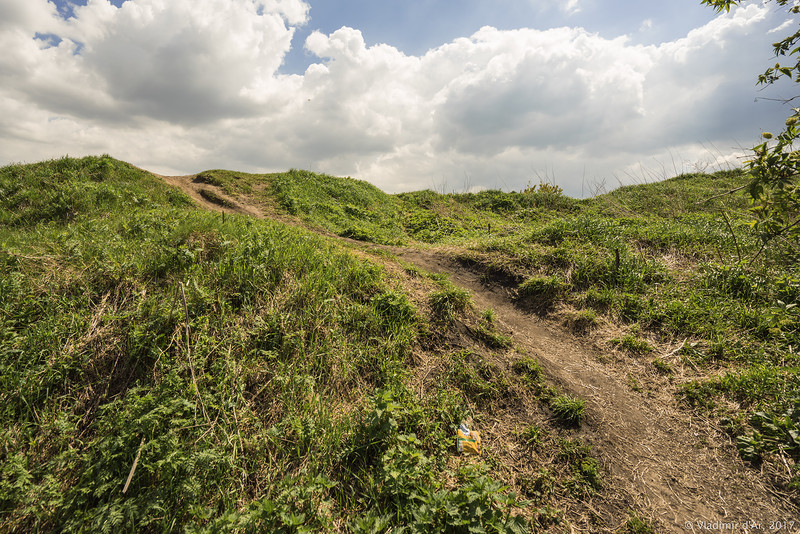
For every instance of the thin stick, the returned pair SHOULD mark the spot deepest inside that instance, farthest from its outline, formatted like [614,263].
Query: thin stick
[189,352]
[723,194]
[735,241]
[133,467]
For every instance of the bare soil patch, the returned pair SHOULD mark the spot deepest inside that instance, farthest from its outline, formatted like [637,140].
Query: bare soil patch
[211,197]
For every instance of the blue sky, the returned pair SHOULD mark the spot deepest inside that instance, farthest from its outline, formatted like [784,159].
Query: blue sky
[407,95]
[416,26]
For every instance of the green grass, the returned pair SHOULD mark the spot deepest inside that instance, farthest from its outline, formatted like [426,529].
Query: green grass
[273,398]
[568,409]
[278,397]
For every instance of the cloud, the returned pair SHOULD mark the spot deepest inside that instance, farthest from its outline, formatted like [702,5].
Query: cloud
[572,6]
[180,61]
[184,85]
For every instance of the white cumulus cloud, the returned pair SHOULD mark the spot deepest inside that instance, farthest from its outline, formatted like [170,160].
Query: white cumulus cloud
[184,85]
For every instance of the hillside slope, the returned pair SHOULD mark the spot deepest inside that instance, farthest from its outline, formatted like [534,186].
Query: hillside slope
[261,376]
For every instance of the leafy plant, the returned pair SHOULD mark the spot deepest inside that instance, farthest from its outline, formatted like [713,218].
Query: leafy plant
[773,433]
[775,166]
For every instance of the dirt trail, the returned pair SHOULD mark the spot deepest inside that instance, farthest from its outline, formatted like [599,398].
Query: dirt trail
[210,196]
[670,463]
[654,454]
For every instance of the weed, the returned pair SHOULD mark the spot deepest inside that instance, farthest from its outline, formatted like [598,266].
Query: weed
[662,366]
[568,410]
[581,321]
[481,381]
[494,339]
[586,479]
[531,372]
[637,525]
[586,473]
[774,432]
[347,207]
[634,384]
[215,198]
[449,302]
[542,291]
[532,435]
[394,309]
[632,344]
[540,486]
[488,333]
[547,516]
[300,349]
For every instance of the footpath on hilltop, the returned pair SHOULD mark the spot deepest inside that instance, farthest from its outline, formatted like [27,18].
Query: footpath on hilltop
[657,457]
[294,352]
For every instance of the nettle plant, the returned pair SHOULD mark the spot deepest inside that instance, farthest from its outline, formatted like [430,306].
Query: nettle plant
[774,187]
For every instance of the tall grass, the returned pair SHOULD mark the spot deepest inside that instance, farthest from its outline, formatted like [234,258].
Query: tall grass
[272,399]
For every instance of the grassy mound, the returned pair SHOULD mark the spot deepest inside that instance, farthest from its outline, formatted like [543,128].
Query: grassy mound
[161,370]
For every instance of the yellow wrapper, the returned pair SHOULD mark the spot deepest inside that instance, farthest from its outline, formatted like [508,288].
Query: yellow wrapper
[469,441]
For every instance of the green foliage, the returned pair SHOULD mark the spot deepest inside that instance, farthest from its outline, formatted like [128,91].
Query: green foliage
[449,301]
[394,308]
[688,194]
[637,525]
[775,165]
[67,189]
[404,484]
[774,432]
[297,418]
[568,410]
[530,370]
[633,344]
[586,472]
[542,291]
[662,366]
[581,321]
[479,380]
[487,332]
[347,207]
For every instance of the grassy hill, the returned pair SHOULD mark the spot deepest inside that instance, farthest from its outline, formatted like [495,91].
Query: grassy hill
[248,375]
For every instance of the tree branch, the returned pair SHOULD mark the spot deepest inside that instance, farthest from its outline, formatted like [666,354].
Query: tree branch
[732,191]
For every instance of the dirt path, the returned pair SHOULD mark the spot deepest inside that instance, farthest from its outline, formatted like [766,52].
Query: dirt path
[655,455]
[680,469]
[210,196]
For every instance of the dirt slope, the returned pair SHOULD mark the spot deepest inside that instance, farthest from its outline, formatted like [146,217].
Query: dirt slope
[656,456]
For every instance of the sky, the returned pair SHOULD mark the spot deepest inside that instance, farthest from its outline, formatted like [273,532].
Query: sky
[408,95]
